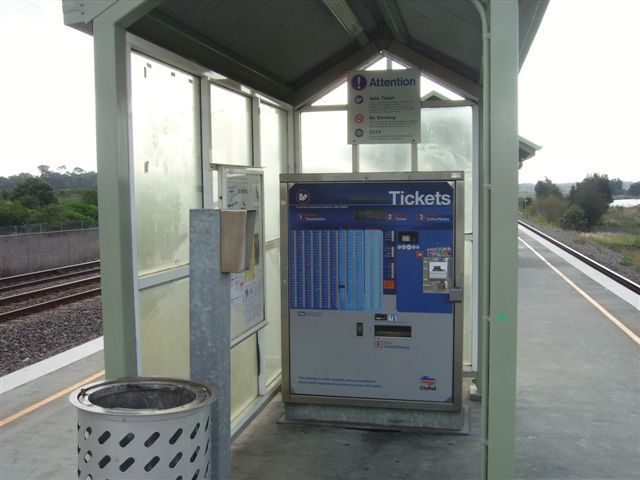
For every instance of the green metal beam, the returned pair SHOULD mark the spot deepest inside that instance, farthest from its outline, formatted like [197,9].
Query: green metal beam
[330,75]
[347,19]
[499,300]
[442,74]
[393,18]
[114,185]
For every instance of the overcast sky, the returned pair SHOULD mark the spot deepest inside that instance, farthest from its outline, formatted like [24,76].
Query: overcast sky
[578,91]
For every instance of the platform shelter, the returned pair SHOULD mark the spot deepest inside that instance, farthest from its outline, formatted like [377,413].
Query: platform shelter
[183,85]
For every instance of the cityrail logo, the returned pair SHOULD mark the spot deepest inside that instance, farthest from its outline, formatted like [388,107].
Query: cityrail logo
[399,197]
[303,196]
[428,383]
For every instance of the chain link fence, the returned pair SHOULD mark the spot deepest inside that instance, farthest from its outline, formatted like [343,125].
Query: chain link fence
[46,227]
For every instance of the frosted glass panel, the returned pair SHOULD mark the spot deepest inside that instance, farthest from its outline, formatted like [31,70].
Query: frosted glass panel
[324,142]
[244,375]
[467,306]
[231,133]
[164,329]
[385,158]
[447,144]
[273,156]
[427,86]
[272,334]
[337,96]
[378,64]
[166,158]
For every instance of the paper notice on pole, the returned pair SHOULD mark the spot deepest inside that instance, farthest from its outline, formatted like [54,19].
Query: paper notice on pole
[384,106]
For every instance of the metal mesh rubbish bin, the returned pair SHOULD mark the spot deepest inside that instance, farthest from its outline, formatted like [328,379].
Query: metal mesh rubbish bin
[144,428]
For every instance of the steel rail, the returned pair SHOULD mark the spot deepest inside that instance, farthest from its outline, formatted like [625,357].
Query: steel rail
[624,281]
[31,283]
[43,291]
[49,304]
[66,268]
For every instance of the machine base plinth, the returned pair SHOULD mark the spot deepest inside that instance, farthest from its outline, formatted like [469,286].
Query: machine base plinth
[367,418]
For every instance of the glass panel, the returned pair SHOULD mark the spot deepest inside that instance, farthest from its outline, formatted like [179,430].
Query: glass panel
[446,139]
[324,142]
[273,155]
[467,306]
[337,96]
[447,144]
[231,132]
[164,329]
[385,158]
[378,64]
[272,334]
[427,86]
[166,157]
[244,375]
[397,66]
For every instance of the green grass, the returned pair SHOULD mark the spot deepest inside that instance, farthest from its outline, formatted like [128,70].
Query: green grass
[627,244]
[627,218]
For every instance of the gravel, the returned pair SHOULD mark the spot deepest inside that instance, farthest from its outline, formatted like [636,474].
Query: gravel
[604,256]
[30,339]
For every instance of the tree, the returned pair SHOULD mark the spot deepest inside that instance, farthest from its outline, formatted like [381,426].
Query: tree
[634,189]
[44,170]
[547,189]
[34,192]
[593,196]
[615,184]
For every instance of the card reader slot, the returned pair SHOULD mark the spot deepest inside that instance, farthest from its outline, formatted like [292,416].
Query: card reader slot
[401,331]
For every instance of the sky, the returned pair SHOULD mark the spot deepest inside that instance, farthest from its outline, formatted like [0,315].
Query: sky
[577,91]
[47,111]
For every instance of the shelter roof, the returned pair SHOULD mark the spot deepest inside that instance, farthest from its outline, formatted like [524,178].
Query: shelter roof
[291,49]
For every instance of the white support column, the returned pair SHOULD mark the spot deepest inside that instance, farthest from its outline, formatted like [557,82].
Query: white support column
[115,201]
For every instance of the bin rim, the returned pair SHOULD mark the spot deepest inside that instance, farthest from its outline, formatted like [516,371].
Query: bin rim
[205,395]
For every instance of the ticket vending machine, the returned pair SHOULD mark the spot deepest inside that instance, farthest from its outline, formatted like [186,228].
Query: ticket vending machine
[372,275]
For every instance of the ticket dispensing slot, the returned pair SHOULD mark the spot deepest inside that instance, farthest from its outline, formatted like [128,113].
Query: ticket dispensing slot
[396,331]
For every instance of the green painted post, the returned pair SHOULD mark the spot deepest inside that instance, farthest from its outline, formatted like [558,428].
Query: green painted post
[115,185]
[502,245]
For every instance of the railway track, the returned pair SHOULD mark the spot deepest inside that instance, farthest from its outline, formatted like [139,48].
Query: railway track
[30,300]
[634,287]
[15,282]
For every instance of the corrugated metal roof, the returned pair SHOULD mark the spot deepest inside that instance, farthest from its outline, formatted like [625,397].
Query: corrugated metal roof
[288,48]
[286,38]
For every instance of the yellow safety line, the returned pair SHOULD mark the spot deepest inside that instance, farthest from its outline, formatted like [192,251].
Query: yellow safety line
[600,308]
[49,399]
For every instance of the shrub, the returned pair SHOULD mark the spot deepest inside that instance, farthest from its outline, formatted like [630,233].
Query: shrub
[90,197]
[13,213]
[85,210]
[551,208]
[574,219]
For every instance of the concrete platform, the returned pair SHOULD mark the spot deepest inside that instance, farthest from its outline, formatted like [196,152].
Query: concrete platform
[578,407]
